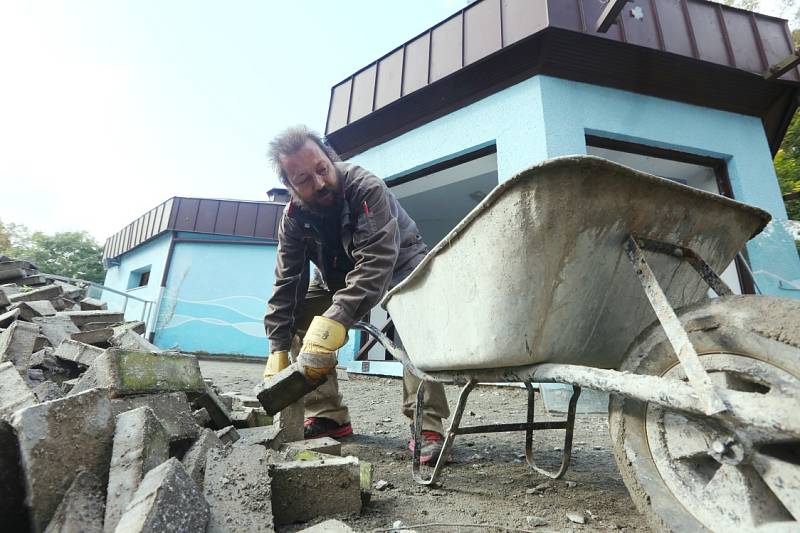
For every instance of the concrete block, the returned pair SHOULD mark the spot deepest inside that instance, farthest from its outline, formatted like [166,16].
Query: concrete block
[228,435]
[69,384]
[237,488]
[56,328]
[53,368]
[62,303]
[77,352]
[8,317]
[71,291]
[245,418]
[171,409]
[220,415]
[140,444]
[83,318]
[324,445]
[92,304]
[125,373]
[3,298]
[82,508]
[47,292]
[290,421]
[12,264]
[28,310]
[12,489]
[268,436]
[14,393]
[57,440]
[34,280]
[48,391]
[328,526]
[41,343]
[128,339]
[262,418]
[202,418]
[13,274]
[95,337]
[328,486]
[167,501]
[194,460]
[16,343]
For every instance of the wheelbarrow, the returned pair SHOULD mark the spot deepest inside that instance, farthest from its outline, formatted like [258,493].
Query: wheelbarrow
[583,272]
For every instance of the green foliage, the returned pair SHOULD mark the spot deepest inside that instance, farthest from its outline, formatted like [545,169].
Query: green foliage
[787,165]
[74,254]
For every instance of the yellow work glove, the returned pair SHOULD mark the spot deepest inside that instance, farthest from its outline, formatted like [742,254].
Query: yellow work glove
[276,362]
[323,338]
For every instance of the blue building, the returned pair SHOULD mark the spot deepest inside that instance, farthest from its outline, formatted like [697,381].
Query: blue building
[207,267]
[678,88]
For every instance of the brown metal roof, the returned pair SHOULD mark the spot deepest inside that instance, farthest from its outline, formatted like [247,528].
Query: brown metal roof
[199,215]
[695,51]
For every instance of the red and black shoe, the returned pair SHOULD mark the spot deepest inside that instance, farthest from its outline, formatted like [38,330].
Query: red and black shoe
[318,427]
[432,443]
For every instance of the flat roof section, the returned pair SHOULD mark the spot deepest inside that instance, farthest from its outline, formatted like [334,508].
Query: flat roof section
[695,51]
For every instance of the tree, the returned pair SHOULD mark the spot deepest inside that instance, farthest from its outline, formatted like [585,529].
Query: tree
[72,254]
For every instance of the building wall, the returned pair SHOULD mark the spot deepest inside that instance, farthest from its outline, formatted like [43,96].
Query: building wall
[152,255]
[215,297]
[546,117]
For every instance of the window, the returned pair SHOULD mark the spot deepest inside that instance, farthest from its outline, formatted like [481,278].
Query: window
[706,173]
[139,278]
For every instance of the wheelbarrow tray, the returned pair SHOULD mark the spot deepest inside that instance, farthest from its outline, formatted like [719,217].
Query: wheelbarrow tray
[537,272]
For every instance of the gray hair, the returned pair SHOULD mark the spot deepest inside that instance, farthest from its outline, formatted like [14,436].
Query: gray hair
[289,141]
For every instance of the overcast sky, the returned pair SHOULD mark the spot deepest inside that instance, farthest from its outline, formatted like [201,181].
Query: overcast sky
[109,107]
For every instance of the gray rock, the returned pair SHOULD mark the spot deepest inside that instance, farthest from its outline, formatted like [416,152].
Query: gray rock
[167,500]
[140,444]
[195,458]
[81,510]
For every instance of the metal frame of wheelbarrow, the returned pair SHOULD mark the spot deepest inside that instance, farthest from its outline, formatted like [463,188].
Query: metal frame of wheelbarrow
[698,396]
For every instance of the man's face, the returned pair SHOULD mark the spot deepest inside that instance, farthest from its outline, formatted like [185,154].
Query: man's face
[312,176]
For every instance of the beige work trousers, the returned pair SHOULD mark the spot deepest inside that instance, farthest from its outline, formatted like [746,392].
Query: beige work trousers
[326,400]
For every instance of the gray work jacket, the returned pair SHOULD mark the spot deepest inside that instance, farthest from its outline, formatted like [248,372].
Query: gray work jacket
[381,243]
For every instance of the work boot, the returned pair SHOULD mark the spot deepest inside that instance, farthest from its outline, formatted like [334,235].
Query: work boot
[432,443]
[317,427]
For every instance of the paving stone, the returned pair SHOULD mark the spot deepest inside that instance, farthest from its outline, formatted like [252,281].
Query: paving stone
[237,488]
[194,460]
[228,435]
[16,343]
[140,444]
[14,393]
[171,409]
[34,280]
[13,274]
[167,501]
[69,384]
[82,509]
[53,368]
[220,415]
[54,447]
[126,373]
[328,526]
[56,328]
[47,292]
[8,317]
[262,418]
[328,486]
[324,445]
[290,421]
[128,339]
[245,418]
[3,298]
[93,304]
[82,318]
[12,489]
[202,418]
[100,336]
[77,352]
[71,291]
[28,310]
[62,303]
[41,343]
[12,264]
[48,391]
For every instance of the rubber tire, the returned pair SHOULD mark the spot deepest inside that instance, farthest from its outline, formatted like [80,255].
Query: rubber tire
[733,324]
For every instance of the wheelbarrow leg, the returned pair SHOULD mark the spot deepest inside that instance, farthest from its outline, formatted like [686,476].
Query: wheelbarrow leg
[566,454]
[449,438]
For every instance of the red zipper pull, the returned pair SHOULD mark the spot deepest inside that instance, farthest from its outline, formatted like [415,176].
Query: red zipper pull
[366,207]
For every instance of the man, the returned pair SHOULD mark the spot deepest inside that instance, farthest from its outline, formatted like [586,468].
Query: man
[345,220]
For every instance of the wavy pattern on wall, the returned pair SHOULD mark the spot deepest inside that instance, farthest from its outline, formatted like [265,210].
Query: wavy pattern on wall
[253,329]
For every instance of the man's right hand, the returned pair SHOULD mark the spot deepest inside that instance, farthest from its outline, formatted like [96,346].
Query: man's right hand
[276,362]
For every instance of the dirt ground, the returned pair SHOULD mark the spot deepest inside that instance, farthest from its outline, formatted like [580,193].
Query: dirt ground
[488,482]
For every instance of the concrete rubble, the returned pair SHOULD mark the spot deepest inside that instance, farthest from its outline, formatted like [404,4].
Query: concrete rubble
[100,430]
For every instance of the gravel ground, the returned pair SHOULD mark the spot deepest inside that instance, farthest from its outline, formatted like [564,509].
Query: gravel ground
[487,482]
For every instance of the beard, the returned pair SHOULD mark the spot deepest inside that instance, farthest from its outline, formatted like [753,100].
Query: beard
[325,201]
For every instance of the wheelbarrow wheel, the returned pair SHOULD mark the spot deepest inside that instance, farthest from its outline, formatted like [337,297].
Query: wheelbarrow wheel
[692,473]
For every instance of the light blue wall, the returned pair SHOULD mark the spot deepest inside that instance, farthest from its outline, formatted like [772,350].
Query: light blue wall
[215,297]
[545,117]
[154,254]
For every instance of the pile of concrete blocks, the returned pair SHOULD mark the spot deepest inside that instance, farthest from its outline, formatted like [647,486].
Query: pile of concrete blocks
[104,433]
